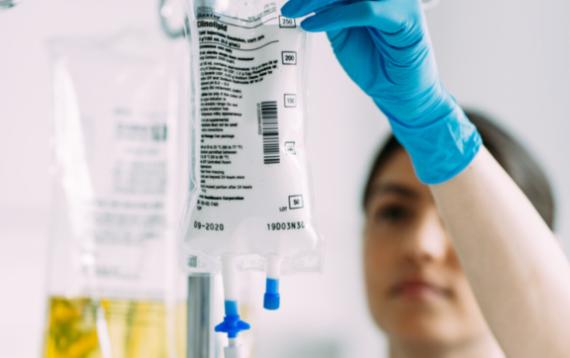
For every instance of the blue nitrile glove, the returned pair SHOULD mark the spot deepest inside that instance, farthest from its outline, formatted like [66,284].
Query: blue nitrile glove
[384,46]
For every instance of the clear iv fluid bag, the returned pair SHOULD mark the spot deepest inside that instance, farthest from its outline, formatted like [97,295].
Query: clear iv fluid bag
[112,285]
[253,193]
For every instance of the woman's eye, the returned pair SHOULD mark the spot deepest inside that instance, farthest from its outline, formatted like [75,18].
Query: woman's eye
[392,213]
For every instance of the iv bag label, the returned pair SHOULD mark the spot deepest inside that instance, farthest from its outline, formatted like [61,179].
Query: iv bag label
[251,121]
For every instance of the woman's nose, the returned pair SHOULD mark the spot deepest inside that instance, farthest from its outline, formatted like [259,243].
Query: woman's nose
[428,240]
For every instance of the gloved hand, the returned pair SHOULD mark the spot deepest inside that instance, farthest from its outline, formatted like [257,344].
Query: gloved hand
[384,47]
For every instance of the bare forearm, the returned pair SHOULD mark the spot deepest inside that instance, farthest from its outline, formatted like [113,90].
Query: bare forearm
[516,268]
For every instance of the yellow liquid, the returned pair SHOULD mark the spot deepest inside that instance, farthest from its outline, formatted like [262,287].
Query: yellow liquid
[136,329]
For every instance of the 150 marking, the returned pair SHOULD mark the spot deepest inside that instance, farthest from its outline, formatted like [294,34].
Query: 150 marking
[291,225]
[208,226]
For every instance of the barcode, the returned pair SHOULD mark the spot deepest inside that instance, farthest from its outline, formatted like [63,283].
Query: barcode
[270,132]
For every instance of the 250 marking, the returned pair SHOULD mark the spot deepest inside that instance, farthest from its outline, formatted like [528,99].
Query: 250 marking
[290,225]
[208,226]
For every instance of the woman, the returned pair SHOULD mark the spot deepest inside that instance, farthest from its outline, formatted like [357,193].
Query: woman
[517,272]
[417,292]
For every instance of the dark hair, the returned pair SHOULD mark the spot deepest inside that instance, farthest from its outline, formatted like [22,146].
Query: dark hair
[510,154]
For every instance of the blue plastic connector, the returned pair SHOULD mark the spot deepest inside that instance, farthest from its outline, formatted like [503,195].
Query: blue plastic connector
[231,325]
[271,299]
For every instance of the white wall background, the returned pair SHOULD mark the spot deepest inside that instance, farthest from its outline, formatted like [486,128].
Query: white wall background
[510,58]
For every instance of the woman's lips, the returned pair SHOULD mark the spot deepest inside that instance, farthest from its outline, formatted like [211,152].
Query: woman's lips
[417,290]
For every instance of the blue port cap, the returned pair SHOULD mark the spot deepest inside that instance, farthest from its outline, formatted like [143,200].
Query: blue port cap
[271,301]
[271,298]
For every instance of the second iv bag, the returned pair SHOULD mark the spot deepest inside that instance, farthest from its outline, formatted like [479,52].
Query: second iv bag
[113,288]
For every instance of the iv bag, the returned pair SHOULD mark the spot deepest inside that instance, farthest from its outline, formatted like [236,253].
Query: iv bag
[117,176]
[252,194]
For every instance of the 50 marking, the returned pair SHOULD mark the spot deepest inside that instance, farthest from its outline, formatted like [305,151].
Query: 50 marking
[208,226]
[290,225]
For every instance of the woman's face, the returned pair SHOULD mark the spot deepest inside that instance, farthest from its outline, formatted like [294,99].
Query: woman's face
[417,292]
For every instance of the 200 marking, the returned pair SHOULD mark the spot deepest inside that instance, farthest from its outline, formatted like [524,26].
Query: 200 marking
[208,226]
[291,225]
